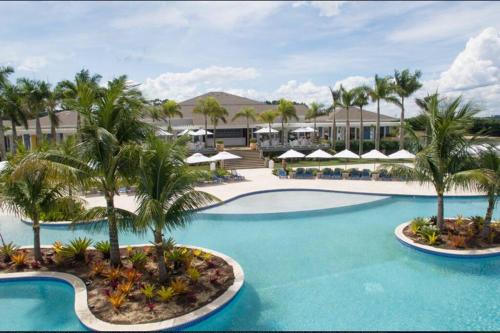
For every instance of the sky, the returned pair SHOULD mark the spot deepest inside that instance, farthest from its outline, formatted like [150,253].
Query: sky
[261,50]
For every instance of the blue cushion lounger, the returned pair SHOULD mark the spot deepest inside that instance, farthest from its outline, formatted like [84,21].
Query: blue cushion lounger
[355,174]
[282,173]
[365,174]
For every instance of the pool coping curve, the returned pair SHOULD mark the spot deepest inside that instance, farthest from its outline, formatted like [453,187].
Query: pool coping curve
[89,320]
[479,253]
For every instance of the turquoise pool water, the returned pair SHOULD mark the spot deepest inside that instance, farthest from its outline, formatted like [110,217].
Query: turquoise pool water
[339,269]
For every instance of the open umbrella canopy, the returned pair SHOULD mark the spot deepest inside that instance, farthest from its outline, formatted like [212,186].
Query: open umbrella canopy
[265,130]
[304,130]
[200,132]
[184,132]
[291,154]
[401,155]
[374,154]
[346,154]
[319,154]
[197,158]
[3,165]
[224,155]
[161,132]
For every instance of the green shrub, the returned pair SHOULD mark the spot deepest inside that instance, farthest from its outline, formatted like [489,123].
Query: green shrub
[104,247]
[65,209]
[219,142]
[8,250]
[220,172]
[417,224]
[138,260]
[253,140]
[76,249]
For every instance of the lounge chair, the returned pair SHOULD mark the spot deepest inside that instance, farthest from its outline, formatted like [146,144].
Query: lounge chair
[384,175]
[365,174]
[236,176]
[326,173]
[355,174]
[309,173]
[282,174]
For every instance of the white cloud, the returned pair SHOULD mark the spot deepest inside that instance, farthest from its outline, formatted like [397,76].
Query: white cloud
[162,17]
[32,64]
[353,81]
[184,85]
[306,92]
[326,8]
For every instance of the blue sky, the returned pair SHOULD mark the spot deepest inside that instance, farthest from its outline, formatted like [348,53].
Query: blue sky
[262,50]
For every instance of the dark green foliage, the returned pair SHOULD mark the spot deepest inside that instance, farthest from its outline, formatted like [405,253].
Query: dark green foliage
[65,209]
[104,247]
[76,249]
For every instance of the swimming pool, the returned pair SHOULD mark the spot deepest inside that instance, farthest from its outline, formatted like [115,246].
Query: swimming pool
[339,269]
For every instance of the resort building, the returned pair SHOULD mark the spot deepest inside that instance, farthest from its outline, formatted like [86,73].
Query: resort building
[234,132]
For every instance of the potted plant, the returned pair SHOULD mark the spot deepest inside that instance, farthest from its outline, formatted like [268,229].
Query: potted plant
[219,145]
[253,144]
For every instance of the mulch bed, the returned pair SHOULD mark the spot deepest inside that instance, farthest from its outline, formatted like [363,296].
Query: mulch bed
[215,277]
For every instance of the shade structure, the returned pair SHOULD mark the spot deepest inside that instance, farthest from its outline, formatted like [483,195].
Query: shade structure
[374,154]
[224,155]
[346,154]
[161,132]
[477,149]
[401,155]
[200,132]
[197,158]
[184,132]
[319,154]
[304,130]
[265,130]
[291,154]
[3,165]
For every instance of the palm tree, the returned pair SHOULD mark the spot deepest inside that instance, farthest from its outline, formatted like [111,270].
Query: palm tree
[218,114]
[51,104]
[362,96]
[335,97]
[109,143]
[315,110]
[30,186]
[268,117]
[169,110]
[249,114]
[382,91]
[4,73]
[486,178]
[207,107]
[405,84]
[15,111]
[346,100]
[446,155]
[166,195]
[33,95]
[286,111]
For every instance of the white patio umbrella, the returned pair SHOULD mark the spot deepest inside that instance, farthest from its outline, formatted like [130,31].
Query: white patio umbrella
[346,154]
[291,154]
[475,150]
[200,132]
[183,132]
[197,158]
[320,155]
[401,155]
[304,130]
[374,154]
[162,132]
[223,156]
[265,130]
[3,165]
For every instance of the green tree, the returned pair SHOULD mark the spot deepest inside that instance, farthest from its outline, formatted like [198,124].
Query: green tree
[4,74]
[14,110]
[346,100]
[166,193]
[335,97]
[268,117]
[405,84]
[34,94]
[286,111]
[207,107]
[315,110]
[249,114]
[218,114]
[362,97]
[383,90]
[51,103]
[446,155]
[169,110]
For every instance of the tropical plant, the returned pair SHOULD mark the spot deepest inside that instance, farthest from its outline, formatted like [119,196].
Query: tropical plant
[117,300]
[97,269]
[19,259]
[315,110]
[11,104]
[113,274]
[446,155]
[286,111]
[148,290]
[218,114]
[335,97]
[193,274]
[52,101]
[8,250]
[268,117]
[179,286]
[169,110]
[166,195]
[248,113]
[132,275]
[405,84]
[138,260]
[362,96]
[125,288]
[207,107]
[65,209]
[382,90]
[104,248]
[347,100]
[165,293]
[4,73]
[76,248]
[417,224]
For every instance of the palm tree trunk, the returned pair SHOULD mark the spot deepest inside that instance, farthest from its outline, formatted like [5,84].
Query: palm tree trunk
[78,125]
[377,127]
[160,255]
[36,241]
[315,136]
[39,137]
[53,133]
[113,232]
[489,214]
[347,131]
[206,126]
[13,144]
[215,135]
[361,132]
[3,150]
[282,131]
[334,130]
[401,129]
[248,133]
[440,210]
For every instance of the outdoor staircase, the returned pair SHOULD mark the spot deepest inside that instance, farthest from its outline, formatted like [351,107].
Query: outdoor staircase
[250,159]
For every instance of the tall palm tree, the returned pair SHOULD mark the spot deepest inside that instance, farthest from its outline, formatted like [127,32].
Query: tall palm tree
[249,114]
[335,97]
[14,111]
[207,107]
[268,117]
[405,84]
[362,97]
[169,110]
[217,115]
[34,94]
[383,90]
[4,74]
[486,178]
[109,136]
[51,103]
[446,155]
[346,100]
[30,186]
[315,110]
[166,193]
[286,111]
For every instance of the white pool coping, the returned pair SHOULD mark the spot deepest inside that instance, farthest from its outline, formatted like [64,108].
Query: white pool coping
[88,319]
[480,253]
